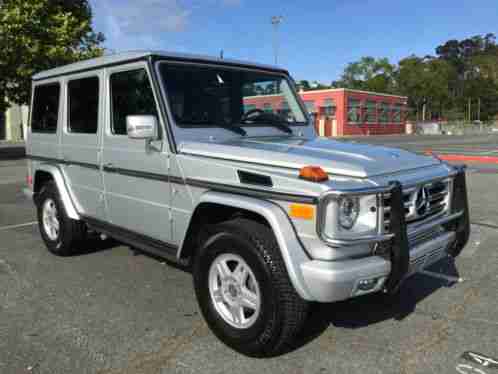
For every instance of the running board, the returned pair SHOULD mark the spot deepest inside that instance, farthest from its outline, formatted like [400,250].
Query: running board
[147,244]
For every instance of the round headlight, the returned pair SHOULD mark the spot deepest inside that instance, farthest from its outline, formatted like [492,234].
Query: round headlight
[349,209]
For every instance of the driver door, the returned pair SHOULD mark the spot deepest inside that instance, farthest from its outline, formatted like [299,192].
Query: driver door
[135,170]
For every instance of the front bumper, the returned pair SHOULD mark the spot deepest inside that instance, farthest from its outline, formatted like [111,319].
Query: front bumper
[339,280]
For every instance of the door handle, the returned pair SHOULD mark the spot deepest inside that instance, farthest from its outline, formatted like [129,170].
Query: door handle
[109,167]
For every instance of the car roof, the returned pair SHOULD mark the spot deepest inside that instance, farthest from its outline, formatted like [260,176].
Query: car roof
[124,57]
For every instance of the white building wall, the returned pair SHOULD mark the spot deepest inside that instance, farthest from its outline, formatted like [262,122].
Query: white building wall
[16,120]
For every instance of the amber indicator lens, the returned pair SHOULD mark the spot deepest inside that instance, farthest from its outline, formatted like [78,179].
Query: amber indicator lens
[302,211]
[313,174]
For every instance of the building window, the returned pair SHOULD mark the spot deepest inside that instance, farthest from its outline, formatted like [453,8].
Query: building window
[371,112]
[397,113]
[83,104]
[354,111]
[384,113]
[310,106]
[267,108]
[45,108]
[131,94]
[329,107]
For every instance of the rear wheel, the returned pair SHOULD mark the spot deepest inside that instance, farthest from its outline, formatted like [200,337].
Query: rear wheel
[244,291]
[60,233]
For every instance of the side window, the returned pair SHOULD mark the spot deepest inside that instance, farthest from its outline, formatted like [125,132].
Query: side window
[83,104]
[131,94]
[45,108]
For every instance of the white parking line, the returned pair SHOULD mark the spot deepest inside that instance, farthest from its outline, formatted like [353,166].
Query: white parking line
[20,225]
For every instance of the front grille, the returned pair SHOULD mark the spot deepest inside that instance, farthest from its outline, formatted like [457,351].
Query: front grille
[425,260]
[422,203]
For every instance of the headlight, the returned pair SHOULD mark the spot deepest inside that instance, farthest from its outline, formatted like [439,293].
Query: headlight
[348,217]
[349,209]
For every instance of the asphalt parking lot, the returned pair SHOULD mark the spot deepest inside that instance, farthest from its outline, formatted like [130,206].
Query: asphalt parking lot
[475,145]
[113,311]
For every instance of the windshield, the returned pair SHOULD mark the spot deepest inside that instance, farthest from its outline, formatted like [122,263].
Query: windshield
[223,97]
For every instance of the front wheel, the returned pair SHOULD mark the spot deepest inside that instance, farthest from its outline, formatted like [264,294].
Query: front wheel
[244,291]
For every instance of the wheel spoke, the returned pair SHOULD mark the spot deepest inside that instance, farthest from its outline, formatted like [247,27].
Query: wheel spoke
[237,314]
[241,273]
[249,299]
[223,269]
[217,295]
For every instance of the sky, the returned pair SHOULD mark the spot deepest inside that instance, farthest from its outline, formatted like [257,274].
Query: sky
[316,38]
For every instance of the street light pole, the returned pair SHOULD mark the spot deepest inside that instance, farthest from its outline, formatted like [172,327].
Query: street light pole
[275,21]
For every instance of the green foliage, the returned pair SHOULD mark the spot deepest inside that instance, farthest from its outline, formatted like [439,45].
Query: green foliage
[303,85]
[461,70]
[369,74]
[37,35]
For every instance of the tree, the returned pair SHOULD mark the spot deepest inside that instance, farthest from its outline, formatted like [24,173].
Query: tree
[304,85]
[425,81]
[475,60]
[37,35]
[369,74]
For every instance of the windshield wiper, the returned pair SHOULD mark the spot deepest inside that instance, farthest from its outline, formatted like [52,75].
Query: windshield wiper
[236,129]
[270,120]
[281,126]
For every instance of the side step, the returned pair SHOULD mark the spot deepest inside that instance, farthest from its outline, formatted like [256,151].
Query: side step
[147,244]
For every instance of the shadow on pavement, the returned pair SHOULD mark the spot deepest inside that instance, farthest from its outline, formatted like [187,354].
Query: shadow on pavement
[366,310]
[93,244]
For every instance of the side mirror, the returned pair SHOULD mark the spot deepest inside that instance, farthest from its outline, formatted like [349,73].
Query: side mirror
[142,127]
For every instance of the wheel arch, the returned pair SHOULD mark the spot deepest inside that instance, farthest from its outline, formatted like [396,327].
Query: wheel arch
[263,211]
[44,173]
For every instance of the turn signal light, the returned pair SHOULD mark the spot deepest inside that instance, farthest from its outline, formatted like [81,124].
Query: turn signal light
[313,174]
[302,211]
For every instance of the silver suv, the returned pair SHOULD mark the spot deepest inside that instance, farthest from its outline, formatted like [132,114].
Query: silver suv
[170,154]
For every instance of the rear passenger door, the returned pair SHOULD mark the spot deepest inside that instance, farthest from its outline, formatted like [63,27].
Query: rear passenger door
[81,142]
[135,170]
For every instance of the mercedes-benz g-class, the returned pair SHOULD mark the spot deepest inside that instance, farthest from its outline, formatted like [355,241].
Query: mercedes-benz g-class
[168,154]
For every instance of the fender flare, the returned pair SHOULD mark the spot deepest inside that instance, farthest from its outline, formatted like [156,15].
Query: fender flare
[62,187]
[290,246]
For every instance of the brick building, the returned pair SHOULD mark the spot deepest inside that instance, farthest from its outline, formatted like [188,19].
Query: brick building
[339,112]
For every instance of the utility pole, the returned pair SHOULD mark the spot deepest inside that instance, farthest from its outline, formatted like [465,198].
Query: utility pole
[275,21]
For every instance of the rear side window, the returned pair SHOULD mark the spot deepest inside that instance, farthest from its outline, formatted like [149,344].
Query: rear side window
[83,104]
[131,94]
[45,108]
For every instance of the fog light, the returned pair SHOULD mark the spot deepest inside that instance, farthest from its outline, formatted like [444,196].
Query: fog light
[367,284]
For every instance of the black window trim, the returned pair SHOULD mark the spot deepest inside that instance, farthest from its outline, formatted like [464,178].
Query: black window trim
[46,84]
[67,126]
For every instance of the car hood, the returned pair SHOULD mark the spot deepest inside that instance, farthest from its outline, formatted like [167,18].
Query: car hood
[335,157]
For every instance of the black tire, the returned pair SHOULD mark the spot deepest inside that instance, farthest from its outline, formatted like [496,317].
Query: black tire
[70,233]
[282,312]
